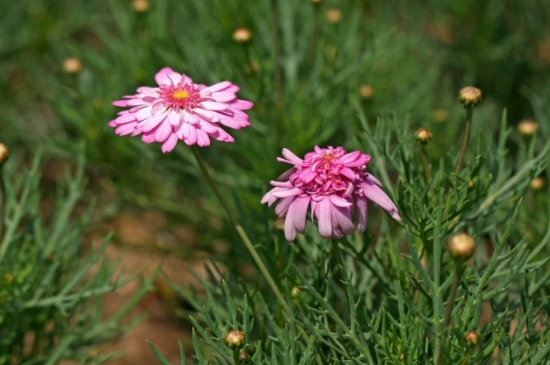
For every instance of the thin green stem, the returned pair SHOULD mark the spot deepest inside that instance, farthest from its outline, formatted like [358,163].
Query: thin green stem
[438,335]
[276,52]
[465,139]
[452,294]
[236,357]
[239,229]
[450,304]
[2,202]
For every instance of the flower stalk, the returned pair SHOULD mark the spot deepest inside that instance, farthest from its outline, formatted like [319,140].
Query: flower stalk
[238,227]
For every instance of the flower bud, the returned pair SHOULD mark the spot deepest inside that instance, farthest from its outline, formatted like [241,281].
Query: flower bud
[315,2]
[235,339]
[440,115]
[141,5]
[423,135]
[242,35]
[472,338]
[537,183]
[469,96]
[4,153]
[366,91]
[462,246]
[334,15]
[527,127]
[244,357]
[295,292]
[72,65]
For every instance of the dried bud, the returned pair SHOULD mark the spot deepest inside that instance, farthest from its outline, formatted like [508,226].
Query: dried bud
[242,35]
[235,339]
[366,91]
[423,135]
[469,96]
[141,5]
[244,357]
[462,246]
[537,183]
[334,15]
[440,115]
[72,65]
[527,127]
[4,153]
[295,292]
[472,338]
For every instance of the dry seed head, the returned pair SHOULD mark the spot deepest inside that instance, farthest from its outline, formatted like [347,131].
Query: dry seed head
[72,65]
[366,91]
[334,15]
[472,338]
[4,153]
[235,339]
[242,35]
[423,135]
[141,5]
[527,127]
[469,96]
[537,183]
[462,246]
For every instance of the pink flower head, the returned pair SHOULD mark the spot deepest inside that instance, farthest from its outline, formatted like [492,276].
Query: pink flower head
[179,109]
[332,183]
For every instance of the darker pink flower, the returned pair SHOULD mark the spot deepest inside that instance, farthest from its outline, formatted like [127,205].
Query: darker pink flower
[332,184]
[180,110]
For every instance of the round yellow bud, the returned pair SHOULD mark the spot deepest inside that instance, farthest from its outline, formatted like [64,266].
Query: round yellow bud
[295,292]
[440,115]
[537,183]
[235,339]
[242,35]
[4,153]
[527,127]
[472,338]
[141,5]
[244,357]
[72,65]
[366,91]
[334,15]
[462,246]
[469,96]
[423,135]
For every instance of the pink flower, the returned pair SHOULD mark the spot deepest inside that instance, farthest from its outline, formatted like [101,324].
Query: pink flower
[181,110]
[332,184]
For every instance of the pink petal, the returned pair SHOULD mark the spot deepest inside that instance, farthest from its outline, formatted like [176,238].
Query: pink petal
[217,87]
[241,104]
[361,214]
[170,143]
[296,217]
[162,76]
[324,218]
[211,105]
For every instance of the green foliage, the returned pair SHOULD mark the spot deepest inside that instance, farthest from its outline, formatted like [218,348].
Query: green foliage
[51,285]
[396,296]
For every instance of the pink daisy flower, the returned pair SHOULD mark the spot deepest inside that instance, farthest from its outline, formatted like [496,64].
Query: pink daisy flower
[332,184]
[181,110]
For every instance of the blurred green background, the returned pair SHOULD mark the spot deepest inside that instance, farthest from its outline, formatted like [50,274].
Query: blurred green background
[309,67]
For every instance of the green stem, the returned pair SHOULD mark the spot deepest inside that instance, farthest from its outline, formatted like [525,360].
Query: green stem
[277,51]
[465,139]
[450,304]
[236,357]
[2,202]
[438,335]
[239,229]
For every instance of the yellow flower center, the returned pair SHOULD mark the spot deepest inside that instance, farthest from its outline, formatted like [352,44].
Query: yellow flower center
[180,94]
